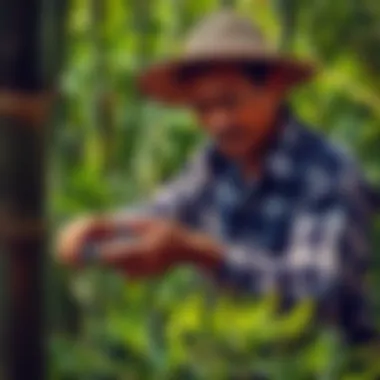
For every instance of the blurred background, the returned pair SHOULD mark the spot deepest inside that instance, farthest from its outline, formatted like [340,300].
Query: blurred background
[108,148]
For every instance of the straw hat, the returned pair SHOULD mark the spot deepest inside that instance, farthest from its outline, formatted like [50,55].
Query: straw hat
[222,37]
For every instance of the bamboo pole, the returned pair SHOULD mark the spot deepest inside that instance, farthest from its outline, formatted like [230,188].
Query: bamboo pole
[287,11]
[23,108]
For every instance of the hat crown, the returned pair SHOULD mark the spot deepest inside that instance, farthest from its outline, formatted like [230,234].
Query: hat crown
[223,37]
[225,30]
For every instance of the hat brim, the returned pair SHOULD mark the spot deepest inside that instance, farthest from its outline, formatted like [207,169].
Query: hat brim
[161,81]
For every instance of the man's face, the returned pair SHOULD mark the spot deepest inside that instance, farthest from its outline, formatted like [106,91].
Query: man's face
[233,110]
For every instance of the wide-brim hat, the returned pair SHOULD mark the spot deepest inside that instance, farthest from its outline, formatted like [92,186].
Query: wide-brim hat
[222,37]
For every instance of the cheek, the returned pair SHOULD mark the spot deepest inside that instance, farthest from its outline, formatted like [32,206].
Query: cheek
[258,115]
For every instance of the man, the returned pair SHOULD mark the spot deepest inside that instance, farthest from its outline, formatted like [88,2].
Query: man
[266,205]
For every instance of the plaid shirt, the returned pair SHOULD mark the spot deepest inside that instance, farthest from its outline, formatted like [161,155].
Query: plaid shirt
[301,228]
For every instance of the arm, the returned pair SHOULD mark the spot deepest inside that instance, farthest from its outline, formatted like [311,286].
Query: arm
[77,243]
[327,246]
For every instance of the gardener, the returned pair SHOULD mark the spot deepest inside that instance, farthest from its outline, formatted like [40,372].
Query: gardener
[266,205]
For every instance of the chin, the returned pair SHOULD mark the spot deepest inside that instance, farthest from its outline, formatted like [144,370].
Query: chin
[235,152]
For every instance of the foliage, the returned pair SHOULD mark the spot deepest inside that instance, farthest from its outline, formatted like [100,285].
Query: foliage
[186,333]
[182,332]
[112,148]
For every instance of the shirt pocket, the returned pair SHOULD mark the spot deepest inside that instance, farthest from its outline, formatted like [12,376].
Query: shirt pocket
[268,225]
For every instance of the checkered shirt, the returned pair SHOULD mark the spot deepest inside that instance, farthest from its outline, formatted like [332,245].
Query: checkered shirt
[302,228]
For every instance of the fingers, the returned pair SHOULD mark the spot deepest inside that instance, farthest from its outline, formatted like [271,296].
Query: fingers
[121,253]
[134,259]
[141,225]
[72,239]
[74,236]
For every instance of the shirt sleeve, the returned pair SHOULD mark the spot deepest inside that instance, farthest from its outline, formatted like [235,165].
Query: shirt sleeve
[178,199]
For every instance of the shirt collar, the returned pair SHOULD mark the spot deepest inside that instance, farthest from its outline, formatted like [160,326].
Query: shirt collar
[285,138]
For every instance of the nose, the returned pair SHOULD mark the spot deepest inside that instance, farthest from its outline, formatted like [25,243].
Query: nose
[219,120]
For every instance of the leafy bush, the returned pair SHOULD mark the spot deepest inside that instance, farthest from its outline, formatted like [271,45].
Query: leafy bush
[179,328]
[111,148]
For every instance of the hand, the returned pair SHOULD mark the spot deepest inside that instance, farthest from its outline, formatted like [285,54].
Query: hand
[159,245]
[74,236]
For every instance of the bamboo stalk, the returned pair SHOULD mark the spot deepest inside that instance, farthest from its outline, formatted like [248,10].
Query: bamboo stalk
[22,192]
[287,10]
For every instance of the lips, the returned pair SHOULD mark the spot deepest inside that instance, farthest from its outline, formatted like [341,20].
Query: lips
[230,135]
